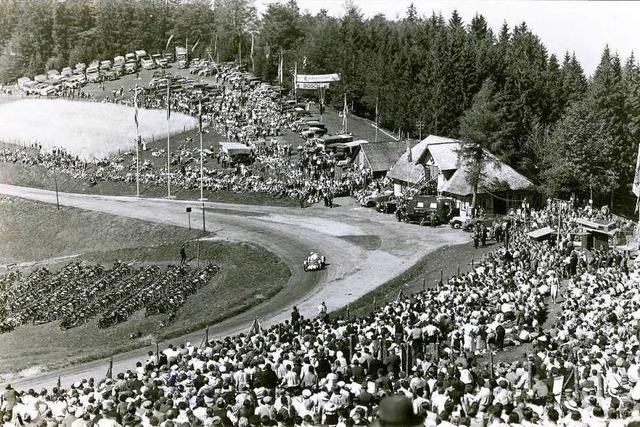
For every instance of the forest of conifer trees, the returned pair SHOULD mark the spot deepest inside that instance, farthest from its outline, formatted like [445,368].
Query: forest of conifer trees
[540,113]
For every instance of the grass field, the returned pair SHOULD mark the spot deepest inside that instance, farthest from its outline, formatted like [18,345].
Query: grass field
[249,274]
[85,129]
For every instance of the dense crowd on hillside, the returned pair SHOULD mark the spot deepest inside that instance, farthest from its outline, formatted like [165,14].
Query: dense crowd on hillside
[422,359]
[237,108]
[79,292]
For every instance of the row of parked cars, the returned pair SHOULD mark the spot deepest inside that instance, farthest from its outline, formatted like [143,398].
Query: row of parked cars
[54,81]
[426,210]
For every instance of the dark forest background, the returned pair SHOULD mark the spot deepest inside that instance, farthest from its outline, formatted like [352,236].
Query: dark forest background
[537,112]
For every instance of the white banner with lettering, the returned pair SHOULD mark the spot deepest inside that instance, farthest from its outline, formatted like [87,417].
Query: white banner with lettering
[317,78]
[302,85]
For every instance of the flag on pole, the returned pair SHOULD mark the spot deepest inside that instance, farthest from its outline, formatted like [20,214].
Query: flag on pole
[409,156]
[168,100]
[168,42]
[194,46]
[636,180]
[200,116]
[280,68]
[135,106]
[345,111]
[267,51]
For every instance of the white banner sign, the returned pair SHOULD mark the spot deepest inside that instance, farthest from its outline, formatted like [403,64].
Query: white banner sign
[301,85]
[318,78]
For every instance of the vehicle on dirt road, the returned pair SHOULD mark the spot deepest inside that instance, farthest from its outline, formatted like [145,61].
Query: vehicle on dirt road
[314,262]
[374,198]
[426,210]
[387,206]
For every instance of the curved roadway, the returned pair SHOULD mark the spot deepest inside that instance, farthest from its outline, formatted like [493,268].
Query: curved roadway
[364,249]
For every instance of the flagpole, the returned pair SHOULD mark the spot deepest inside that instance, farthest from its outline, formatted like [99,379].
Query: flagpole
[295,81]
[135,101]
[168,143]
[376,140]
[253,64]
[201,154]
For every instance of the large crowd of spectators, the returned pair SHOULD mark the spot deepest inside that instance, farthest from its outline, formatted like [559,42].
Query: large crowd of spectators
[237,107]
[79,292]
[424,359]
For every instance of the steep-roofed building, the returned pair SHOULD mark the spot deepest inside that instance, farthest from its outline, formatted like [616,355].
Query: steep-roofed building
[439,159]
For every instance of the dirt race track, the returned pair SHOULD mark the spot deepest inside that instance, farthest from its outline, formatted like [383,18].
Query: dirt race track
[364,250]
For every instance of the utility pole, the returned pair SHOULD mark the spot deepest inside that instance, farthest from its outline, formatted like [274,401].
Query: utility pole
[376,140]
[55,178]
[420,125]
[204,228]
[559,223]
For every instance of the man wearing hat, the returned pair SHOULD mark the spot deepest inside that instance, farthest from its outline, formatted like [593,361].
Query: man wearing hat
[397,411]
[265,408]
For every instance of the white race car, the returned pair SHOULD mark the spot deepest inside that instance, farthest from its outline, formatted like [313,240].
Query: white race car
[314,262]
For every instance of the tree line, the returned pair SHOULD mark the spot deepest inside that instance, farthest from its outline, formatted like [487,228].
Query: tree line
[568,132]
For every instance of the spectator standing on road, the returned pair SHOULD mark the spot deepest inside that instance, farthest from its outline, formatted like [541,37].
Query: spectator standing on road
[183,255]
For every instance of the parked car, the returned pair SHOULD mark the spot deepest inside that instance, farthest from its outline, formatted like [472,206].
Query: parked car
[372,199]
[48,91]
[427,209]
[147,64]
[387,206]
[94,77]
[130,67]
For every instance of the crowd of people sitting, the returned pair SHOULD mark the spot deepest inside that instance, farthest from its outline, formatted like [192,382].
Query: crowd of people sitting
[79,292]
[569,359]
[242,111]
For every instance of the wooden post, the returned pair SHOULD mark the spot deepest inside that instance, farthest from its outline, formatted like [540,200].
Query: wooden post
[530,373]
[458,269]
[348,311]
[374,303]
[110,370]
[424,285]
[473,263]
[441,278]
[206,336]
[59,383]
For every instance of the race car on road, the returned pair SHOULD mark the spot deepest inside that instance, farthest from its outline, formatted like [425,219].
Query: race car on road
[314,262]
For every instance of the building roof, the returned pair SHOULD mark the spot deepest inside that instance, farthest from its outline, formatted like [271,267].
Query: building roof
[383,155]
[495,175]
[445,154]
[541,233]
[235,148]
[403,170]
